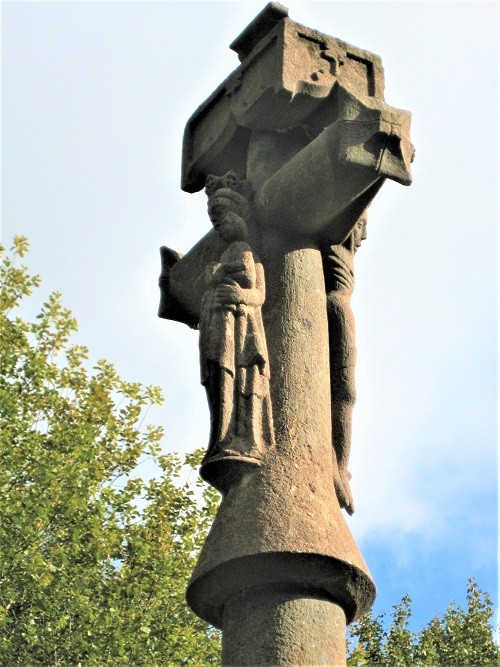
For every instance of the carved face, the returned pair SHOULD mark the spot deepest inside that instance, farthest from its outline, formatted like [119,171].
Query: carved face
[359,232]
[218,208]
[224,211]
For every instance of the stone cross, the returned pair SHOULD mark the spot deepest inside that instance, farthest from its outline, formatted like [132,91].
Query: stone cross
[291,148]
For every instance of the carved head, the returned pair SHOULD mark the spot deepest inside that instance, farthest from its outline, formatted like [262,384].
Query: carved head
[359,232]
[228,208]
[225,210]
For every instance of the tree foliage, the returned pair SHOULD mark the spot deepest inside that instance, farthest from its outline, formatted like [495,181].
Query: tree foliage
[94,560]
[458,639]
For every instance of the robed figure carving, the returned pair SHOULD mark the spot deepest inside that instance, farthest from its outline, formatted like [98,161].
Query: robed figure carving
[233,352]
[338,264]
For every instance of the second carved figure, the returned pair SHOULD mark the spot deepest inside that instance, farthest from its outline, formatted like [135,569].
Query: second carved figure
[339,281]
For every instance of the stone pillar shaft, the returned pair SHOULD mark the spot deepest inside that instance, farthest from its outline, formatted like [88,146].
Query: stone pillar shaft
[270,627]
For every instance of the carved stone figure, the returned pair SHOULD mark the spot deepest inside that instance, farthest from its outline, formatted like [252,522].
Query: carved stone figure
[233,352]
[338,265]
[303,122]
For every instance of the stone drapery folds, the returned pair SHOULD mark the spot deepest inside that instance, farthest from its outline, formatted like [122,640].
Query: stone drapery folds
[233,352]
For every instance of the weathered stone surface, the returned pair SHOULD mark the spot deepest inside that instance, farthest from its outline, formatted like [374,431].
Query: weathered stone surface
[290,77]
[288,507]
[233,351]
[293,147]
[338,265]
[267,627]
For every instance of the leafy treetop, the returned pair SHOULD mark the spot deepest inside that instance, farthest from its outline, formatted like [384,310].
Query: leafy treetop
[94,561]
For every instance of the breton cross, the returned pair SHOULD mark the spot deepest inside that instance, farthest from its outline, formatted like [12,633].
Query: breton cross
[291,148]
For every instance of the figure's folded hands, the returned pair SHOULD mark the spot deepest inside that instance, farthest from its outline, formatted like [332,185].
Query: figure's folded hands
[229,294]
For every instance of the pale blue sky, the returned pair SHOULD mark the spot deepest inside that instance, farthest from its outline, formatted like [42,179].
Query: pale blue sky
[95,97]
